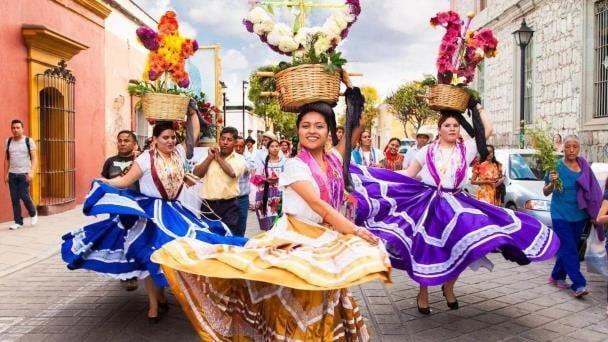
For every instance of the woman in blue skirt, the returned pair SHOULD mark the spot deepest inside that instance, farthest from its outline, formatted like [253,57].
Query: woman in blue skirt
[140,223]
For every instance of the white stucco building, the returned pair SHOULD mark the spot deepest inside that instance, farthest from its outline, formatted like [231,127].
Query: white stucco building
[566,68]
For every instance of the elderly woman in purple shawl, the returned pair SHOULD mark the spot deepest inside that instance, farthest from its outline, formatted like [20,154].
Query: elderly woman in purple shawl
[432,229]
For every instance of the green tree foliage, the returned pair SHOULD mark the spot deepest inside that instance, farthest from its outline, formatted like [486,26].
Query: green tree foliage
[410,106]
[370,110]
[268,106]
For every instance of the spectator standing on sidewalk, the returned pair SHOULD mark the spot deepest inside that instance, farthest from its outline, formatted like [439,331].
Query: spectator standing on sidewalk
[220,173]
[244,183]
[20,161]
[119,165]
[572,207]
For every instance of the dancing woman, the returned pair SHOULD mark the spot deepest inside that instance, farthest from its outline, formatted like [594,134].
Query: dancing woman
[433,230]
[121,246]
[289,283]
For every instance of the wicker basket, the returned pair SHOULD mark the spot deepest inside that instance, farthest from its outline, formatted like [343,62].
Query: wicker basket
[448,97]
[304,84]
[165,107]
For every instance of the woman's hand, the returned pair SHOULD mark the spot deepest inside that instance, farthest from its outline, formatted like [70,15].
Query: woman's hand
[366,235]
[346,79]
[553,176]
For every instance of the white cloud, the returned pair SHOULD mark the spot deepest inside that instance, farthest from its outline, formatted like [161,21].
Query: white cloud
[186,29]
[234,60]
[221,16]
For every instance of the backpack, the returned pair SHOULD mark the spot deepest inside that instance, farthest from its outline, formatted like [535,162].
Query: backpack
[27,144]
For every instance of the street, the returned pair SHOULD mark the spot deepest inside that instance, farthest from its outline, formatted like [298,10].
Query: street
[46,302]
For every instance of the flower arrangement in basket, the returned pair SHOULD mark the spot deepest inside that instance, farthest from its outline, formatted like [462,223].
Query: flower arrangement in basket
[314,73]
[210,118]
[163,98]
[460,53]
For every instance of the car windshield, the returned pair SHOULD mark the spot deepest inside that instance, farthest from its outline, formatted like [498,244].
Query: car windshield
[525,167]
[407,143]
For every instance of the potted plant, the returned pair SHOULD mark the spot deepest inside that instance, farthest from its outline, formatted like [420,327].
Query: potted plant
[460,53]
[165,79]
[314,72]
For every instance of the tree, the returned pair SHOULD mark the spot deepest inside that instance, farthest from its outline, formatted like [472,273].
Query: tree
[370,110]
[410,106]
[267,106]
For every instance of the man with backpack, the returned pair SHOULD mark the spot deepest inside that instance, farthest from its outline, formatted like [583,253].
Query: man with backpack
[20,162]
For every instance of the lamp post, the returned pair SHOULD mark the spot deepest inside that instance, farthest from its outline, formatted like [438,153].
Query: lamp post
[522,36]
[223,85]
[244,86]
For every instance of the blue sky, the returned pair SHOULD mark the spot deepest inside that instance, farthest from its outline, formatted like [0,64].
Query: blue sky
[391,42]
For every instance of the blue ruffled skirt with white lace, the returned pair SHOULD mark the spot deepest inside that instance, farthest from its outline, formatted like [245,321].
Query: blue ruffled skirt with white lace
[120,246]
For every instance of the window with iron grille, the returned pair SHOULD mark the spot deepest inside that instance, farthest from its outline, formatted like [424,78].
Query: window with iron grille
[529,84]
[600,81]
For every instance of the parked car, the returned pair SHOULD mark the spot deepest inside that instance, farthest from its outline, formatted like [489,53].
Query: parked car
[406,143]
[524,181]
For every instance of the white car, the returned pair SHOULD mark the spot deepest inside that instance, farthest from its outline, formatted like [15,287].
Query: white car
[524,181]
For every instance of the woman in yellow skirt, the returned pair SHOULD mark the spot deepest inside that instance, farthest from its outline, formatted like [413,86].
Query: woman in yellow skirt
[290,283]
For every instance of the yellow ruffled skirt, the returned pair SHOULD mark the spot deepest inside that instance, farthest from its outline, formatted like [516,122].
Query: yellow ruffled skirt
[289,283]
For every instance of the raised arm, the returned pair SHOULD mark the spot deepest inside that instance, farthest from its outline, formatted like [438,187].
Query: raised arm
[329,214]
[127,180]
[487,123]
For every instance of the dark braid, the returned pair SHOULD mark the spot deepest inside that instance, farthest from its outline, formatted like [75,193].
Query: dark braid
[266,184]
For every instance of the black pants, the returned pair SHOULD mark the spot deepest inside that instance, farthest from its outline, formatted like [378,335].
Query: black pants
[228,211]
[20,190]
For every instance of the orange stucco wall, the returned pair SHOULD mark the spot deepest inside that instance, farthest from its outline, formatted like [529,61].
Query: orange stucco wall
[87,66]
[127,63]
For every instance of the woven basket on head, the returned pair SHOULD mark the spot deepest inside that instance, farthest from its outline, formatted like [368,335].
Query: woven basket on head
[304,84]
[448,97]
[165,107]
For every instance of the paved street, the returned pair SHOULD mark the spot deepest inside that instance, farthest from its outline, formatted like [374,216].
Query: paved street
[45,302]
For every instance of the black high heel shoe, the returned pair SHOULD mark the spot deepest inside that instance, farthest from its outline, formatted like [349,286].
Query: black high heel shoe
[163,308]
[452,305]
[424,311]
[154,320]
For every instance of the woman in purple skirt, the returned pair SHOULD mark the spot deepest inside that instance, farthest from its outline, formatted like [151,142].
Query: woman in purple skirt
[433,230]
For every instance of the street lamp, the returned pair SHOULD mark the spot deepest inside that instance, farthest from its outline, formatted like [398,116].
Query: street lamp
[523,36]
[244,86]
[223,85]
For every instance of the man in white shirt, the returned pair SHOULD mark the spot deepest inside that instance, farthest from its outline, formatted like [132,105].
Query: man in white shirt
[244,183]
[422,138]
[19,166]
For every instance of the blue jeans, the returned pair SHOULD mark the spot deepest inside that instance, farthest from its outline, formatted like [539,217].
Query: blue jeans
[243,211]
[20,190]
[567,262]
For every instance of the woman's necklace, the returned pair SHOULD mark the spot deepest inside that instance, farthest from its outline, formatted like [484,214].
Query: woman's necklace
[445,161]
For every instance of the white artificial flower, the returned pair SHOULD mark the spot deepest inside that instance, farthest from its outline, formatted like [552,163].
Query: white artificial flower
[263,28]
[339,19]
[302,36]
[288,44]
[323,44]
[258,15]
[331,28]
[278,33]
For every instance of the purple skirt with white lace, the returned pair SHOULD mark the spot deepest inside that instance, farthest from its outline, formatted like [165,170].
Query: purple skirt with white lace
[434,235]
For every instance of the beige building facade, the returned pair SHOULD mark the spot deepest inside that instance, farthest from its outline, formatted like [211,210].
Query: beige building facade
[566,79]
